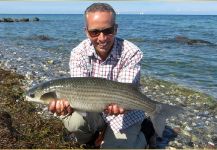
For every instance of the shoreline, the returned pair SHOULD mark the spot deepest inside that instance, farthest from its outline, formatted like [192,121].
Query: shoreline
[196,128]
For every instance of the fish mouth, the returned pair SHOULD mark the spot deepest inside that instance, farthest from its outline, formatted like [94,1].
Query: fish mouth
[43,99]
[31,99]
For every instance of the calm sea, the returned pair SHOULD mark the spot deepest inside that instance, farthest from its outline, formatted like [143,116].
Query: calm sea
[190,60]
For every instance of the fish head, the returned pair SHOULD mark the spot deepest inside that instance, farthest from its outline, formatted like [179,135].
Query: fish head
[41,93]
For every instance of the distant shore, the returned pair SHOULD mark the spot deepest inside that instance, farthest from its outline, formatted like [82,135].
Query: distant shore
[196,128]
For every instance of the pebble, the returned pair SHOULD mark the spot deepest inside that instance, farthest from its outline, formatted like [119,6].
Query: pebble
[188,128]
[194,138]
[196,111]
[207,122]
[193,124]
[50,61]
[186,133]
[197,117]
[162,86]
[19,59]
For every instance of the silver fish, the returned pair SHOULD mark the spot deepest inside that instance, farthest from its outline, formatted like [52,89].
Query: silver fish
[94,94]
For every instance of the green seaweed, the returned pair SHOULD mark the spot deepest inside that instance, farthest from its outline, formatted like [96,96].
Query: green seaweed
[33,131]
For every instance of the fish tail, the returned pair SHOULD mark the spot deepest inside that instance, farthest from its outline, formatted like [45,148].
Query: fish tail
[159,116]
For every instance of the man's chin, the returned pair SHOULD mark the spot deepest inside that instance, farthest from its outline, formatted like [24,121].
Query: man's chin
[102,50]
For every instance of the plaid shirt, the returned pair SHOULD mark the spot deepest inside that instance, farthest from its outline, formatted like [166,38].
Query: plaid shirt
[123,65]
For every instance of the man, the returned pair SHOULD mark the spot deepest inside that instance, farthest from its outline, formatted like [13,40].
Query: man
[106,56]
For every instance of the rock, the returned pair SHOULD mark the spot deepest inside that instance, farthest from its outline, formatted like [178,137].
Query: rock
[189,41]
[186,133]
[35,19]
[194,138]
[19,59]
[24,20]
[188,128]
[40,37]
[18,20]
[8,20]
[50,62]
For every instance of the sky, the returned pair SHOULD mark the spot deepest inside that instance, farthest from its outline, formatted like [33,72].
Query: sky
[193,7]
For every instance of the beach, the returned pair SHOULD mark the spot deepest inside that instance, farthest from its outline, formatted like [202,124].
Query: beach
[32,125]
[179,68]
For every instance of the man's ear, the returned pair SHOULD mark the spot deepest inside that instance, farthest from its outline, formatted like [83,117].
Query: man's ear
[86,32]
[116,28]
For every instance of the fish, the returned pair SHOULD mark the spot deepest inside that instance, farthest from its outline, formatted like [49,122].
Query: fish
[93,94]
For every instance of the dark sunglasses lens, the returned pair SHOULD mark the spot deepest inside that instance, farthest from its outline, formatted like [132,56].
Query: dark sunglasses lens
[94,33]
[108,31]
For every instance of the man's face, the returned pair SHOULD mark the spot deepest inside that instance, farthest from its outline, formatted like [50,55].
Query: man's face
[101,30]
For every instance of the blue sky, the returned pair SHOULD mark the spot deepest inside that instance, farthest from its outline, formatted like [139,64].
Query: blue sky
[202,7]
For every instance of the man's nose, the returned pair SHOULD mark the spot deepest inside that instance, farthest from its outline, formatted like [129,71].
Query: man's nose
[102,36]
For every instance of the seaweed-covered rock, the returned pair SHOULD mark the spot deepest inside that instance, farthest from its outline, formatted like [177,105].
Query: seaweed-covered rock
[35,19]
[18,19]
[24,20]
[8,20]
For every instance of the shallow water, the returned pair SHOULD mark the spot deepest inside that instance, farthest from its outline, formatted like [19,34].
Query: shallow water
[53,37]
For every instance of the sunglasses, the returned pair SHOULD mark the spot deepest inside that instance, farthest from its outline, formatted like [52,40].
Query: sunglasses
[96,32]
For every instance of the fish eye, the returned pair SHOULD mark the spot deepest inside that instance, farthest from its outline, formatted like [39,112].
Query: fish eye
[32,95]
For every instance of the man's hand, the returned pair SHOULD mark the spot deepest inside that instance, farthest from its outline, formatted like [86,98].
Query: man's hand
[60,107]
[114,109]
